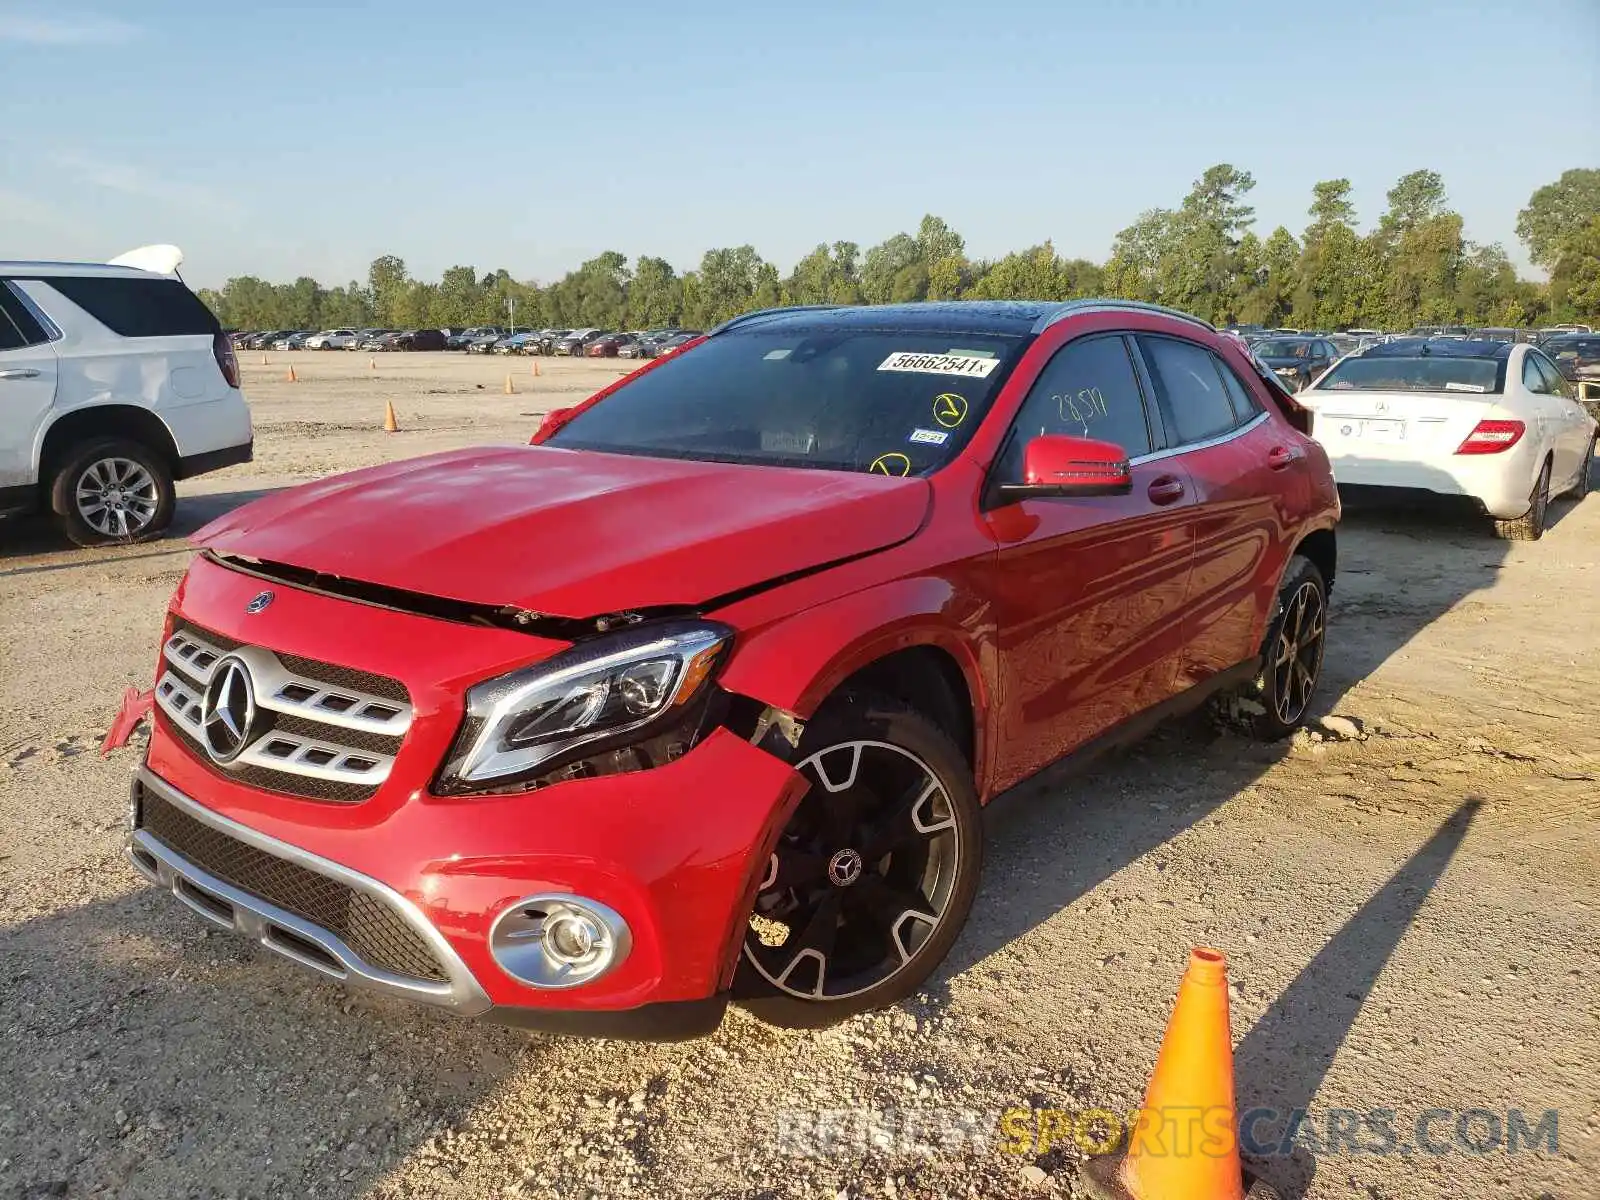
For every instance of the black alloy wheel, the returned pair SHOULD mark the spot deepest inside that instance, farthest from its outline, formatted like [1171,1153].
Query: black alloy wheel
[874,874]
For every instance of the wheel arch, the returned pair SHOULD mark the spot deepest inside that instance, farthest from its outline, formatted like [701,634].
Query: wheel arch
[1321,546]
[81,425]
[904,639]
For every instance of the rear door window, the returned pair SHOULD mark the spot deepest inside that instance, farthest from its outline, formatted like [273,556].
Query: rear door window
[1188,389]
[1087,390]
[134,307]
[18,326]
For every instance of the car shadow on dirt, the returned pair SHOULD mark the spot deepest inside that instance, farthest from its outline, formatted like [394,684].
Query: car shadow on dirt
[39,535]
[1057,837]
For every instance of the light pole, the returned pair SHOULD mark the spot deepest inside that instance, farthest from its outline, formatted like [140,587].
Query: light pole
[511,306]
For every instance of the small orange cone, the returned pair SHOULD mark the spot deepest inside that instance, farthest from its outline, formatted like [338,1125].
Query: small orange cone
[390,425]
[536,368]
[372,364]
[510,390]
[263,360]
[291,377]
[1192,1087]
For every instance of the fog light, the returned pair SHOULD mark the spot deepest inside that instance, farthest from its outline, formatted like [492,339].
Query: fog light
[558,941]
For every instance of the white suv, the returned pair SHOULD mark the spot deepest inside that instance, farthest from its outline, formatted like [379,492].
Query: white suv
[114,382]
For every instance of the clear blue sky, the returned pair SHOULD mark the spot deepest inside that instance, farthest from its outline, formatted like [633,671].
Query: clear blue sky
[294,138]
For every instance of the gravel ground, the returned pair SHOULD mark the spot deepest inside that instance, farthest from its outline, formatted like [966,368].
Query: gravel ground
[1408,899]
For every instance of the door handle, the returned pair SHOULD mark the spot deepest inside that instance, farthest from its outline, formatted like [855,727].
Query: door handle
[1165,489]
[20,373]
[1279,457]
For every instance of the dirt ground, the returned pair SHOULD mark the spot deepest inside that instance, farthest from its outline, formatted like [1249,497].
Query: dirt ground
[1411,915]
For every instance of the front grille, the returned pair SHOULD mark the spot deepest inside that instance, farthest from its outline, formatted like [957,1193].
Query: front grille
[373,930]
[321,731]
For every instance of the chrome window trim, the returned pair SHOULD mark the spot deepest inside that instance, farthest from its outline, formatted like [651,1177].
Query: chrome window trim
[1220,439]
[52,331]
[1073,308]
[253,916]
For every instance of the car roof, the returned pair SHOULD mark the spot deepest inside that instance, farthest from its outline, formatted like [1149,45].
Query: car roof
[945,316]
[40,270]
[1412,347]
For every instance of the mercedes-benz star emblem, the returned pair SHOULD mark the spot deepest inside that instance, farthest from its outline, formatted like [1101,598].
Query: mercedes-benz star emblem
[261,600]
[228,711]
[844,868]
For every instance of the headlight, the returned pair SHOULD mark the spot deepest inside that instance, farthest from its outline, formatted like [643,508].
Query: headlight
[598,696]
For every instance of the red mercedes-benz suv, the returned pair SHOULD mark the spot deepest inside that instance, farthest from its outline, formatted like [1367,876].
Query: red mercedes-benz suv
[700,694]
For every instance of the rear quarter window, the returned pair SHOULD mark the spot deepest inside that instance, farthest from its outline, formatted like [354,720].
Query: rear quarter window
[136,308]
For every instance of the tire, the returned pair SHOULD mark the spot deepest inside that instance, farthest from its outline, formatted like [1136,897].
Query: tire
[1580,489]
[874,875]
[1530,526]
[1291,654]
[111,491]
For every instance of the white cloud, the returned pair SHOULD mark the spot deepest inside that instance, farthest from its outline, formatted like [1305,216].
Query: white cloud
[60,29]
[137,181]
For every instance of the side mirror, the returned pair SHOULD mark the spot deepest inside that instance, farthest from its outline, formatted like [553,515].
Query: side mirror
[1056,464]
[553,421]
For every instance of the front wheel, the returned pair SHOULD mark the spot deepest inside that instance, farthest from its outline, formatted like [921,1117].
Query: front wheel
[113,491]
[874,875]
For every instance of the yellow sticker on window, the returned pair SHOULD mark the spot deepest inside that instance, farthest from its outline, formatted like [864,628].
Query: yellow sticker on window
[896,464]
[949,409]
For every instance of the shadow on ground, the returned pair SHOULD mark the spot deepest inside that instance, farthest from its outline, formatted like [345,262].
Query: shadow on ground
[40,535]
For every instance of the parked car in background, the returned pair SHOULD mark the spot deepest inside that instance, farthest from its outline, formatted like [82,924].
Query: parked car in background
[381,341]
[513,343]
[1296,360]
[544,342]
[641,345]
[369,335]
[264,340]
[576,342]
[1498,333]
[324,340]
[668,345]
[609,344]
[466,337]
[627,768]
[484,342]
[419,339]
[1551,331]
[1577,357]
[1490,423]
[115,381]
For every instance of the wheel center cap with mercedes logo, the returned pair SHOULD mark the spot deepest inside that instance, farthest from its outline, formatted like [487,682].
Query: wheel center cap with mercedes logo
[844,868]
[227,711]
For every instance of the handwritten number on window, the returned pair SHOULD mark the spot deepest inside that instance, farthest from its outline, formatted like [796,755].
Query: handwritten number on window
[1082,408]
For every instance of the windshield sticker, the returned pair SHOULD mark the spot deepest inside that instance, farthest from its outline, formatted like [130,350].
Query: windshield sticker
[954,353]
[940,364]
[949,409]
[894,463]
[770,355]
[931,437]
[1453,386]
[785,441]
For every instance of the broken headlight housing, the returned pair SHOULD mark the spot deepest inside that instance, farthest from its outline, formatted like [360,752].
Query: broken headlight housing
[598,697]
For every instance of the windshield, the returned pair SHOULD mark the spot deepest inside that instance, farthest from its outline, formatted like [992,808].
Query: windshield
[840,399]
[1283,348]
[1422,373]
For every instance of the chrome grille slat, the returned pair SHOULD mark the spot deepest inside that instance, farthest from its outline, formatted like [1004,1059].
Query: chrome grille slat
[317,720]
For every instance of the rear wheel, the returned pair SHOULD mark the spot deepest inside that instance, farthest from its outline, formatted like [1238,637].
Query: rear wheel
[1530,526]
[874,875]
[1291,654]
[113,490]
[1580,489]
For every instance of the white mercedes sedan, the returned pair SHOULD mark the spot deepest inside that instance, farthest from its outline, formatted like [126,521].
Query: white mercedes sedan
[1491,422]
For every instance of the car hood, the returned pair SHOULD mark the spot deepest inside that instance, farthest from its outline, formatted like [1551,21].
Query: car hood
[572,533]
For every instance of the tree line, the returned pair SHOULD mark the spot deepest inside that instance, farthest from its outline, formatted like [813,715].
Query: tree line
[1415,266]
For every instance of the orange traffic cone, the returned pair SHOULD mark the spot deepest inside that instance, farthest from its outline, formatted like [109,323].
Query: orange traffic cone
[1185,1144]
[372,364]
[291,377]
[510,390]
[390,425]
[536,368]
[263,360]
